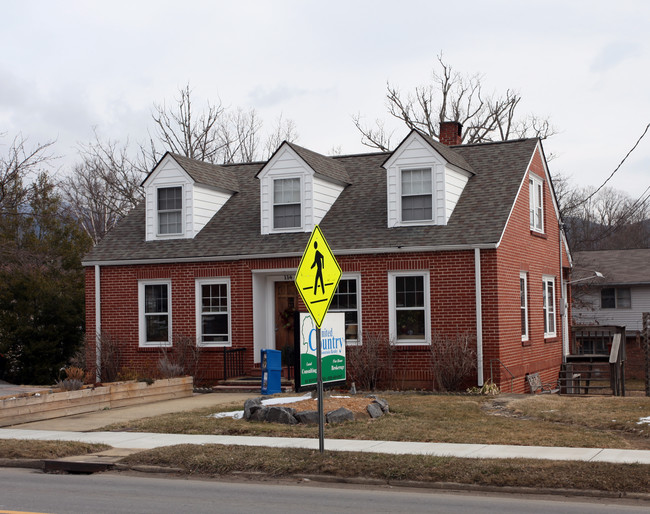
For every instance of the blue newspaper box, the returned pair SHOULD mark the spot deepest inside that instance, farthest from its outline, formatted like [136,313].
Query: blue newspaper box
[271,371]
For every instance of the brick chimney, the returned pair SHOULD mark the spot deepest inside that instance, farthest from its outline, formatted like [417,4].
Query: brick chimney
[451,133]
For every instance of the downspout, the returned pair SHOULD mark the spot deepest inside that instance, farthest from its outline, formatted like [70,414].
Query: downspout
[563,318]
[98,326]
[479,316]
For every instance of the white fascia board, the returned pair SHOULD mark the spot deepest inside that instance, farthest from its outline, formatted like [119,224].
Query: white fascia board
[356,251]
[163,162]
[276,157]
[407,140]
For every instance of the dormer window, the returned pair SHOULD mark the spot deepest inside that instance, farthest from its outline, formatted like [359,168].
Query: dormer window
[286,203]
[417,195]
[170,210]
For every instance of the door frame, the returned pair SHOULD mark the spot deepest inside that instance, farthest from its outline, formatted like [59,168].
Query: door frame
[264,307]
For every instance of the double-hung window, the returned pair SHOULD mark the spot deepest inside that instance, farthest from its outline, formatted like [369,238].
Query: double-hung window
[410,314]
[536,190]
[155,313]
[549,306]
[523,294]
[213,312]
[286,203]
[417,195]
[170,210]
[615,298]
[347,300]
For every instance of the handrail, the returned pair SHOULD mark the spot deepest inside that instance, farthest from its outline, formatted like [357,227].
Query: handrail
[233,362]
[512,377]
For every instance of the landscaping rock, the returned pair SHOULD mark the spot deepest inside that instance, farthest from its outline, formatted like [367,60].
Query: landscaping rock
[258,413]
[339,415]
[281,415]
[375,410]
[382,403]
[249,404]
[308,417]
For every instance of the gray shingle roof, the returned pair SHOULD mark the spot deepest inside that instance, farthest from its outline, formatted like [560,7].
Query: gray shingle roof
[356,222]
[620,267]
[207,174]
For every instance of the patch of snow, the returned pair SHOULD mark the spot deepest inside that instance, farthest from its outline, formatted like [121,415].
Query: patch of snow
[239,414]
[643,420]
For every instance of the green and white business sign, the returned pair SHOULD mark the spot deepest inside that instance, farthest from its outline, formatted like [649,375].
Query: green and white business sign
[332,349]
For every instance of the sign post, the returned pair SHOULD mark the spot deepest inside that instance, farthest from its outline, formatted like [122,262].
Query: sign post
[317,278]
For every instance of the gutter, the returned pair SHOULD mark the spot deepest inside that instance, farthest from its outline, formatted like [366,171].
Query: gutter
[221,258]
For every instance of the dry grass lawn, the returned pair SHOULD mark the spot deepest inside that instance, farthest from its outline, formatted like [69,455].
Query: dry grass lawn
[509,419]
[32,449]
[218,460]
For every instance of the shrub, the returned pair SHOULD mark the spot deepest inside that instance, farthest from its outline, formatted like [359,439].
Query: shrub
[370,361]
[182,358]
[453,360]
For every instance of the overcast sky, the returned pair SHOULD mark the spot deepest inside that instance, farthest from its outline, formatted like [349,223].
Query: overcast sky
[69,66]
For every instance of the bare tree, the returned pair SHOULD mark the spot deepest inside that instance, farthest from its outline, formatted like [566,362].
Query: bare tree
[284,130]
[105,185]
[180,129]
[608,219]
[17,164]
[452,96]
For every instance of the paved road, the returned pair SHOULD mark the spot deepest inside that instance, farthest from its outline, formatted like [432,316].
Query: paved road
[109,493]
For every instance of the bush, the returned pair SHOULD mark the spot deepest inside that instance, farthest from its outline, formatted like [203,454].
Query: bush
[180,359]
[370,361]
[453,361]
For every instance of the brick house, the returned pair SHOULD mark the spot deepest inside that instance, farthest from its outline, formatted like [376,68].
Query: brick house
[434,240]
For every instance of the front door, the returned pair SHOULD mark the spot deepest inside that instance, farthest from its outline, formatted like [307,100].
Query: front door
[286,303]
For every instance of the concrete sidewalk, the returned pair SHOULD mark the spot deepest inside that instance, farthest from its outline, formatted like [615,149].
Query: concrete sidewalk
[78,427]
[142,441]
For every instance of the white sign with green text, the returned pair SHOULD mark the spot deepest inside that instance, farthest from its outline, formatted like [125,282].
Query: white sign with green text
[332,348]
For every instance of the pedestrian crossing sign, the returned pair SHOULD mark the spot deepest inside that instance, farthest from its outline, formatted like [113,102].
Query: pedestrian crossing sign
[317,277]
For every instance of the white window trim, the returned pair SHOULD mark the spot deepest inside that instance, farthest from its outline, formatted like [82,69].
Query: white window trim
[536,182]
[199,325]
[523,275]
[357,277]
[399,213]
[302,204]
[142,326]
[392,308]
[157,212]
[545,280]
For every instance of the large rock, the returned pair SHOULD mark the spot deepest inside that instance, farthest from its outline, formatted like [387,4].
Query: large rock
[281,415]
[375,410]
[258,413]
[308,417]
[382,403]
[339,415]
[249,404]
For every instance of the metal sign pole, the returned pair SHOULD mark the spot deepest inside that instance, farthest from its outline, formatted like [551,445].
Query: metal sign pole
[319,379]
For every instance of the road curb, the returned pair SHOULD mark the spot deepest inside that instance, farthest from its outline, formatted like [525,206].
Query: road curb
[331,479]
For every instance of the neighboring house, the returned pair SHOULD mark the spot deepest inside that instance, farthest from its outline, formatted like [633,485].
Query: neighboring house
[619,298]
[434,240]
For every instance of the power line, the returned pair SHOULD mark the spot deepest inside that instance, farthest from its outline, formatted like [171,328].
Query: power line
[584,201]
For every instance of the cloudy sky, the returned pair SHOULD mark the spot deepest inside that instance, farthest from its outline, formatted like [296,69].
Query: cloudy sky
[69,66]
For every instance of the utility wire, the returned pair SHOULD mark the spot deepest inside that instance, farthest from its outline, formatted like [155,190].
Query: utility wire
[584,201]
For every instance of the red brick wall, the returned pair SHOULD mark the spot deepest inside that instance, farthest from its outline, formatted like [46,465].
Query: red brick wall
[537,254]
[453,309]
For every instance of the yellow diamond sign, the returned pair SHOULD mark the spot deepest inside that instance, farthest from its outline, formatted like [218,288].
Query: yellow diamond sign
[317,276]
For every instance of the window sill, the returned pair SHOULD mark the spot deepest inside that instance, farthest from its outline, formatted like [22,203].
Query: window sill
[541,235]
[551,339]
[154,347]
[213,347]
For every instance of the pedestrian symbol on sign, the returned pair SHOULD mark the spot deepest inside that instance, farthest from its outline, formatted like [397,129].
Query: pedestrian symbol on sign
[317,276]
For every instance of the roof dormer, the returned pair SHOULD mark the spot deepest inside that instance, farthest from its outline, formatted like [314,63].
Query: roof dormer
[182,195]
[297,188]
[424,181]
